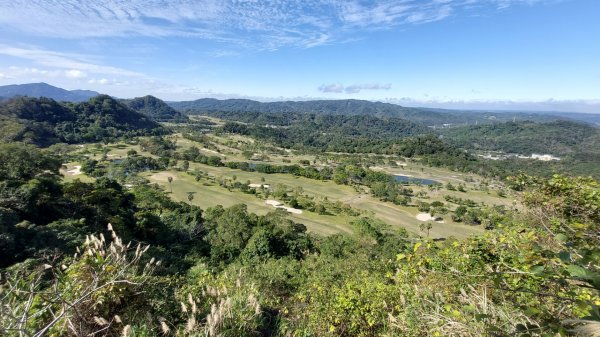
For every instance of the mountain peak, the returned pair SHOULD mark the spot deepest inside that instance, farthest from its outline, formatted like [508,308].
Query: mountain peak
[42,89]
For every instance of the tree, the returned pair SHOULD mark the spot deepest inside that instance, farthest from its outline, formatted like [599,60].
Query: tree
[319,208]
[190,196]
[426,227]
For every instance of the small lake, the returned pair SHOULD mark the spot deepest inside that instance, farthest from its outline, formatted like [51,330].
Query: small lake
[412,180]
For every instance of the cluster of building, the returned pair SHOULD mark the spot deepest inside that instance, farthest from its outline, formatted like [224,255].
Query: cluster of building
[542,157]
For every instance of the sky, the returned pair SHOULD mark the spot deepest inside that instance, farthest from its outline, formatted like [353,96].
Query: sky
[465,54]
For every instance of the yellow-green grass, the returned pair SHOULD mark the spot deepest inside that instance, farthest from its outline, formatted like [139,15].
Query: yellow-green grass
[405,217]
[206,195]
[235,154]
[445,176]
[309,186]
[394,215]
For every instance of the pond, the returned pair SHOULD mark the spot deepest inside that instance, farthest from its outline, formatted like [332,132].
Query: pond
[412,180]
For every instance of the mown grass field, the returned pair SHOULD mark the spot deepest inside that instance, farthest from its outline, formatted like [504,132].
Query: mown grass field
[211,195]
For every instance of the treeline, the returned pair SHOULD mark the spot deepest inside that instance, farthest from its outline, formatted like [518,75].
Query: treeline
[237,108]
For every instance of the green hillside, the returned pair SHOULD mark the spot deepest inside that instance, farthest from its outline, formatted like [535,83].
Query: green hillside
[43,121]
[557,138]
[154,108]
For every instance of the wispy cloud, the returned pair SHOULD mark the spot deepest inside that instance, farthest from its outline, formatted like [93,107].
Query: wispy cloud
[72,70]
[268,24]
[75,63]
[354,88]
[329,88]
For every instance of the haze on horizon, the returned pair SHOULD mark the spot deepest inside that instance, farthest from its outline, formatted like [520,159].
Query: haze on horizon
[467,54]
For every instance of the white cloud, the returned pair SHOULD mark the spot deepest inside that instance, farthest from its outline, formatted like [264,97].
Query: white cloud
[267,24]
[106,81]
[74,73]
[336,88]
[354,88]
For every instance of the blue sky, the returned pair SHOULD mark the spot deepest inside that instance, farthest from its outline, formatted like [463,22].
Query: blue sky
[496,54]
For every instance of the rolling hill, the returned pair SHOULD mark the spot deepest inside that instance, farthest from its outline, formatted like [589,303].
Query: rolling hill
[154,108]
[43,121]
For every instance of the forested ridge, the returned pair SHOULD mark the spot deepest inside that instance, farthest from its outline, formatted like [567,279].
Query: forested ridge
[423,116]
[154,108]
[558,138]
[43,121]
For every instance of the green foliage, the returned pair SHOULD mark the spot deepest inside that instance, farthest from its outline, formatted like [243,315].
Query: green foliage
[42,121]
[20,162]
[154,108]
[333,133]
[576,144]
[234,232]
[279,112]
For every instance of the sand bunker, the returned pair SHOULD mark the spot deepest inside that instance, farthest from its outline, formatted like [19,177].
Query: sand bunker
[162,176]
[427,217]
[76,170]
[259,185]
[277,204]
[424,217]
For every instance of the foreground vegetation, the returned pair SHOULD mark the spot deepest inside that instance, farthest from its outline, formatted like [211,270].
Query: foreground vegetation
[226,271]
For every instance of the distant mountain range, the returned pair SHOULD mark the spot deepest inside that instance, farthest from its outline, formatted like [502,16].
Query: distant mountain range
[46,90]
[174,111]
[426,116]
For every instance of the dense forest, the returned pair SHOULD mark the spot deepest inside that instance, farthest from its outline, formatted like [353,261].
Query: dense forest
[576,144]
[154,108]
[558,138]
[43,121]
[332,133]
